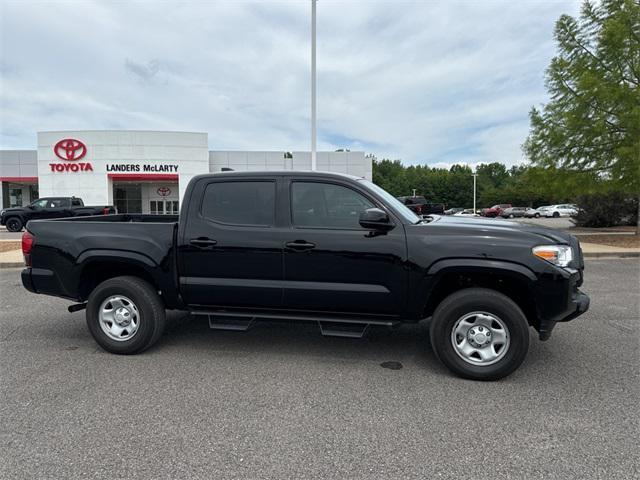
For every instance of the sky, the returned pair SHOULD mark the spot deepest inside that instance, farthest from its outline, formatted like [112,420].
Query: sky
[427,82]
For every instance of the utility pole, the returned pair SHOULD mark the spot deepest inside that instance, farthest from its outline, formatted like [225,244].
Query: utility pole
[313,84]
[475,175]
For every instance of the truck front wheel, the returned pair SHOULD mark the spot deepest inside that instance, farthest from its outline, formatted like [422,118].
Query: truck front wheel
[125,315]
[479,334]
[14,224]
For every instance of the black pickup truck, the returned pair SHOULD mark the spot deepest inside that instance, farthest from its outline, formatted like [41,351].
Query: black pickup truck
[328,248]
[50,207]
[418,204]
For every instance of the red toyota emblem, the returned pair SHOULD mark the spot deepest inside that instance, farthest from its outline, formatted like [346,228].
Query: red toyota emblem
[164,191]
[70,149]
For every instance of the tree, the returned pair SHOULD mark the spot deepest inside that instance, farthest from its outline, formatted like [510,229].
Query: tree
[592,121]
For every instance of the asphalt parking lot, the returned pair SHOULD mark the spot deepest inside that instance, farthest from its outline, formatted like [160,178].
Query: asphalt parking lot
[281,401]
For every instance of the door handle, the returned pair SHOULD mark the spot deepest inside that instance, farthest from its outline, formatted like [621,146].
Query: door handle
[203,242]
[300,245]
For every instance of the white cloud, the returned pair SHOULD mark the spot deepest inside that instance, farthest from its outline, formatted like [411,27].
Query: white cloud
[426,82]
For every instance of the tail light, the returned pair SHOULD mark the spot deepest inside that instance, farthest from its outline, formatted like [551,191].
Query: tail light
[105,211]
[27,244]
[419,209]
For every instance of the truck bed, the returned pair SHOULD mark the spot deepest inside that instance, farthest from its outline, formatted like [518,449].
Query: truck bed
[63,247]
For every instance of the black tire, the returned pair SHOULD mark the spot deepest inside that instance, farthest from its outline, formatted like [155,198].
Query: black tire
[464,302]
[537,215]
[14,224]
[149,306]
[556,214]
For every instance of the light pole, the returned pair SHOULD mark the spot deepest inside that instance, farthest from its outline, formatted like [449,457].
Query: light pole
[313,84]
[475,175]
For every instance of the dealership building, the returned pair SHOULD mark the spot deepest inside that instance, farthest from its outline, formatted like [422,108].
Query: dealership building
[139,171]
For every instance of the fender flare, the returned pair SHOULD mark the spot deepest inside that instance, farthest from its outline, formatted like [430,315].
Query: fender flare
[452,264]
[20,216]
[438,269]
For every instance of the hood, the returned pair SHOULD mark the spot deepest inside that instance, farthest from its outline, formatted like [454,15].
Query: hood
[13,209]
[502,227]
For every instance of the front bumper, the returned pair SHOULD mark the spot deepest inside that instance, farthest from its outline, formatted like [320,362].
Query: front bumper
[572,302]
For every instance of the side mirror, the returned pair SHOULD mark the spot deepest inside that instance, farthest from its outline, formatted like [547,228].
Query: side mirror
[375,219]
[32,207]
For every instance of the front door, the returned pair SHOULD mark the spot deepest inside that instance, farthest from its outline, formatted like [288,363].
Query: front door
[232,246]
[331,263]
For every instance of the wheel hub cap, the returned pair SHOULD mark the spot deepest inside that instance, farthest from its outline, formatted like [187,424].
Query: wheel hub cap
[123,316]
[480,338]
[119,318]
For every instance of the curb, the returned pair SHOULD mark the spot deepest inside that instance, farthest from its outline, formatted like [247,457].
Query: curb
[11,264]
[611,254]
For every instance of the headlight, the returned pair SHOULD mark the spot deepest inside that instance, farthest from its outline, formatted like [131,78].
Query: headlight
[560,255]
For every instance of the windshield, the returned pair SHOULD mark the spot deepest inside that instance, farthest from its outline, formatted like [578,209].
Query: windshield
[398,206]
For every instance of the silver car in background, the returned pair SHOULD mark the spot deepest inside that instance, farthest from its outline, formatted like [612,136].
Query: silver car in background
[513,212]
[536,212]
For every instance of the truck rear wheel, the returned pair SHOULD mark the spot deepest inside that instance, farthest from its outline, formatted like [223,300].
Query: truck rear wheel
[125,315]
[479,334]
[14,224]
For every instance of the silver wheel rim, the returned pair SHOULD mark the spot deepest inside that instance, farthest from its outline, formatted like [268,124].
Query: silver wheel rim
[119,318]
[480,338]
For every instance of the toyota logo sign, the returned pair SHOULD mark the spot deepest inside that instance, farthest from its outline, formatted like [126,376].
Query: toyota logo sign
[164,191]
[70,149]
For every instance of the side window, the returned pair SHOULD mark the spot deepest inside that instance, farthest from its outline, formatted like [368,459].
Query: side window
[240,203]
[76,202]
[59,203]
[324,205]
[40,203]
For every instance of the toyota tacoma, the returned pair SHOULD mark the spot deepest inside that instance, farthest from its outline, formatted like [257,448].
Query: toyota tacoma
[309,246]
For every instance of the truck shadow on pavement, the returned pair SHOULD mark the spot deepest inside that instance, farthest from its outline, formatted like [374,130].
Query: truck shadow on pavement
[407,344]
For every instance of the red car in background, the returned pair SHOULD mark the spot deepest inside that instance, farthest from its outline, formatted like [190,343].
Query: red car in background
[496,210]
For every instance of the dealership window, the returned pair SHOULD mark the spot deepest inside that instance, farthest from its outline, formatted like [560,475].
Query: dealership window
[33,192]
[325,205]
[15,197]
[240,203]
[128,197]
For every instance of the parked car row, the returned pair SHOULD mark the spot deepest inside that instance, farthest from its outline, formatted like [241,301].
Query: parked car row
[421,206]
[548,211]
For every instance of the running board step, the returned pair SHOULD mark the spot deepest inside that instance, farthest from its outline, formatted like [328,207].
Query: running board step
[224,322]
[257,315]
[348,330]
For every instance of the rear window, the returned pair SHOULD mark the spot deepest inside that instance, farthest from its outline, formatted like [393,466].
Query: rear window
[240,203]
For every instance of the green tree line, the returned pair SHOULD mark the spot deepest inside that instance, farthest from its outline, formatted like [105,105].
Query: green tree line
[523,185]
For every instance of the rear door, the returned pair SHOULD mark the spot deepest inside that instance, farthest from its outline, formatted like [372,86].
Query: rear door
[331,263]
[230,251]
